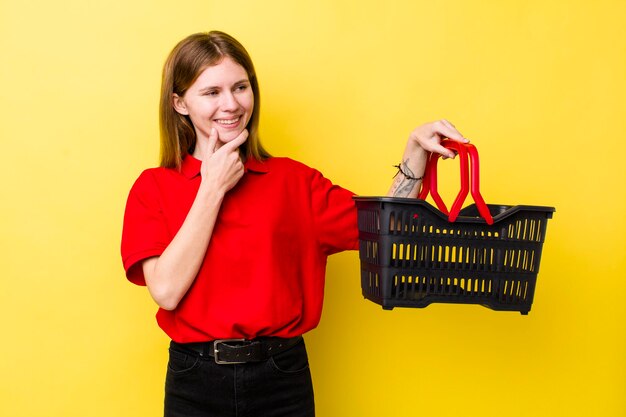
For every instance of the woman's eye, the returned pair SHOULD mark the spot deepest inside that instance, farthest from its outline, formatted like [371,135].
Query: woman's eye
[211,93]
[242,88]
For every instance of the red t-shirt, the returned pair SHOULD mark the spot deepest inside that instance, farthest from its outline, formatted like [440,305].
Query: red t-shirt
[263,273]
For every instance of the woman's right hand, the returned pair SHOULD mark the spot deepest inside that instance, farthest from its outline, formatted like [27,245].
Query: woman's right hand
[170,275]
[222,167]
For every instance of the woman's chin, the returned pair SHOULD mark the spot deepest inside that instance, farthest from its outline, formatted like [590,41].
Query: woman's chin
[229,135]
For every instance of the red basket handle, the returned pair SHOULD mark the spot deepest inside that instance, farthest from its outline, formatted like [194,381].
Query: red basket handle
[429,184]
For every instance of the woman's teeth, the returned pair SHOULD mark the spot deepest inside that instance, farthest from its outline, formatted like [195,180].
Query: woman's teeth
[227,122]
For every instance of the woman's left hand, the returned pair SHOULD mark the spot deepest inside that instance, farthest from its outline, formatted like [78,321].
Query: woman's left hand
[429,136]
[423,140]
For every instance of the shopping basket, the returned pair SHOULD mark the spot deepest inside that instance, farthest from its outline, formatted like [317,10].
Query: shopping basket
[413,254]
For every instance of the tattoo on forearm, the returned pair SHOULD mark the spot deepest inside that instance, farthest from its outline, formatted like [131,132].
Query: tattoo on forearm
[403,185]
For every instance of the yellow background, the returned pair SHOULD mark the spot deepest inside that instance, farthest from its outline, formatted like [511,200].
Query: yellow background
[539,87]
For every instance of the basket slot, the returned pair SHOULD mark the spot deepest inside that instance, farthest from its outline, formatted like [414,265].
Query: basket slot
[402,287]
[407,287]
[476,287]
[371,251]
[373,284]
[513,291]
[395,222]
[458,257]
[530,230]
[369,221]
[421,229]
[403,222]
[519,260]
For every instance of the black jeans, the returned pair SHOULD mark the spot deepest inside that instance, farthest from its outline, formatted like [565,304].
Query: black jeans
[196,386]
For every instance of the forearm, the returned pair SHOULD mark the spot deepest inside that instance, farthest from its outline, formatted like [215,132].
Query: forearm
[169,276]
[413,165]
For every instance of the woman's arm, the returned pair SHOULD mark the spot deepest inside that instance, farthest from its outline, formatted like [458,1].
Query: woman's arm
[169,276]
[422,141]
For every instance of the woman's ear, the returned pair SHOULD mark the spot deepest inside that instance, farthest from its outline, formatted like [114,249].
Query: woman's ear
[179,105]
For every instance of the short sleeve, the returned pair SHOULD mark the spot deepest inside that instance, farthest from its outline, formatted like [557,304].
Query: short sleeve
[144,232]
[335,215]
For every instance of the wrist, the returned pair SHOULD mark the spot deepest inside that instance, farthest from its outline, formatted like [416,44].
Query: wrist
[406,172]
[209,191]
[413,146]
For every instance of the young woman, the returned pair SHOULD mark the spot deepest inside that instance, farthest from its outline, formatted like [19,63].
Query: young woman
[232,243]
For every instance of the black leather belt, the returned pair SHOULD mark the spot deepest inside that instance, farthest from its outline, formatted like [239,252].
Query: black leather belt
[233,351]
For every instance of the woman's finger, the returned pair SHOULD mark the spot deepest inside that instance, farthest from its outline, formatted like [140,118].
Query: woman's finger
[213,138]
[447,129]
[445,152]
[237,142]
[448,123]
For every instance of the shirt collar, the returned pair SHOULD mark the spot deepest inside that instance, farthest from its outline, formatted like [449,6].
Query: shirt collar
[190,167]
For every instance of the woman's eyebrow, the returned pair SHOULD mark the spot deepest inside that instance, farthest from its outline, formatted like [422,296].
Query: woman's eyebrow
[208,88]
[215,87]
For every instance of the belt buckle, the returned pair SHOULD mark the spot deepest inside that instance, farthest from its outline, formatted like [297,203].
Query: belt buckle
[216,351]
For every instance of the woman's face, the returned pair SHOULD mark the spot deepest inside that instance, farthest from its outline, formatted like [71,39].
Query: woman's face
[220,98]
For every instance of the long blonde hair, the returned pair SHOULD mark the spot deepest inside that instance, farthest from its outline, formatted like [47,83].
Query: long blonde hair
[184,64]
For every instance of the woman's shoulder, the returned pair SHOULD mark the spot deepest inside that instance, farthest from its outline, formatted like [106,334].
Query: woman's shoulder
[150,178]
[292,170]
[150,174]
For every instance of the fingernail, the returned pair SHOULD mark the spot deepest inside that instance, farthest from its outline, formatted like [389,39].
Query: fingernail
[466,140]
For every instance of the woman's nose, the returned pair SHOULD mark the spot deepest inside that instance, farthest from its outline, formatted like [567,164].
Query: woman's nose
[229,102]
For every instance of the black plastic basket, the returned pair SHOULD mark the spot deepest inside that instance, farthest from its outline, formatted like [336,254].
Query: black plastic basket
[412,255]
